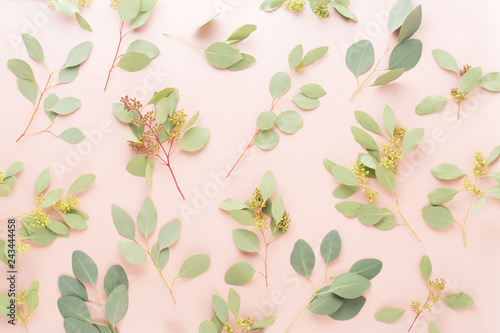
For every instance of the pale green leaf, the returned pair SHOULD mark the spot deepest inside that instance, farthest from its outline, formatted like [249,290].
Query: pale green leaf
[194,139]
[360,57]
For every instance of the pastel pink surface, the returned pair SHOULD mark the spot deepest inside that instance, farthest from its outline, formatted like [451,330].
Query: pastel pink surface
[229,104]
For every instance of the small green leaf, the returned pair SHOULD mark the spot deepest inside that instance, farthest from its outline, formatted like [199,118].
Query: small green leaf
[117,305]
[266,139]
[207,326]
[367,268]
[406,55]
[349,309]
[51,198]
[470,79]
[74,221]
[242,217]
[79,54]
[324,302]
[263,323]
[28,89]
[279,85]
[425,268]
[69,286]
[349,208]
[128,9]
[385,177]
[133,61]
[266,120]
[295,56]
[221,55]
[442,195]
[302,258]
[350,285]
[123,222]
[370,214]
[278,208]
[137,165]
[13,169]
[68,74]
[169,234]
[360,57]
[344,176]
[239,274]
[447,171]
[241,33]
[368,123]
[21,69]
[147,218]
[491,81]
[115,276]
[84,267]
[194,139]
[194,266]
[82,22]
[314,55]
[33,46]
[493,155]
[270,5]
[304,102]
[363,138]
[76,325]
[431,104]
[73,307]
[344,191]
[243,63]
[246,240]
[82,183]
[132,252]
[389,315]
[411,24]
[438,217]
[139,20]
[267,185]
[42,237]
[66,105]
[66,7]
[412,140]
[389,119]
[330,247]
[445,60]
[433,328]
[232,204]
[220,308]
[144,46]
[313,90]
[398,14]
[72,135]
[458,301]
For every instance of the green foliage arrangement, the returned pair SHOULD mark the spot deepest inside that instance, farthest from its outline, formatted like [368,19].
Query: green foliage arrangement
[290,121]
[470,77]
[73,305]
[39,226]
[341,296]
[8,179]
[35,92]
[379,164]
[221,321]
[266,217]
[225,55]
[20,306]
[72,7]
[139,53]
[437,215]
[319,7]
[460,300]
[404,56]
[136,253]
[155,133]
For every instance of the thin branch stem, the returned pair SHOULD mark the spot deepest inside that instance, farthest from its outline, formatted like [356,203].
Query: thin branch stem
[303,312]
[116,54]
[404,219]
[197,45]
[102,308]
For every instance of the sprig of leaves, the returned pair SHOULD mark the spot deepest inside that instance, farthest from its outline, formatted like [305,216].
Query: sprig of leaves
[39,224]
[72,7]
[404,56]
[319,7]
[8,179]
[136,253]
[221,320]
[470,77]
[380,164]
[460,300]
[267,217]
[20,308]
[340,297]
[155,133]
[290,121]
[35,92]
[437,215]
[225,55]
[73,305]
[139,53]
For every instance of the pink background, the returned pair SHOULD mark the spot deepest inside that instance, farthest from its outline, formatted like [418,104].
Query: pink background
[229,104]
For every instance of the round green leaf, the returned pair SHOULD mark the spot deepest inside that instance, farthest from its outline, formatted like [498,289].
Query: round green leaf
[370,214]
[66,105]
[132,252]
[266,120]
[194,139]
[445,60]
[367,268]
[246,240]
[72,135]
[266,139]
[115,276]
[438,217]
[302,258]
[388,222]
[491,81]
[325,302]
[221,55]
[78,54]
[133,61]
[349,285]
[447,171]
[360,57]
[66,7]
[279,85]
[84,267]
[458,301]
[194,266]
[69,286]
[442,195]
[73,307]
[349,309]
[68,74]
[349,208]
[389,315]
[406,54]
[21,69]
[431,104]
[313,90]
[470,79]
[76,325]
[239,274]
[144,46]
[289,121]
[305,102]
[128,9]
[207,326]
[242,217]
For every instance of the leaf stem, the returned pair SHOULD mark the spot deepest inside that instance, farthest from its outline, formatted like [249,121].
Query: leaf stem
[102,308]
[16,217]
[296,318]
[116,54]
[401,214]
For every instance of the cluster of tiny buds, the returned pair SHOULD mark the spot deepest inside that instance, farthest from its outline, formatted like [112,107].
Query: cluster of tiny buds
[79,3]
[131,103]
[393,150]
[470,186]
[322,11]
[359,170]
[459,96]
[22,300]
[177,119]
[22,246]
[243,325]
[295,6]
[67,204]
[1,177]
[480,168]
[114,3]
[284,223]
[257,201]
[39,217]
[464,70]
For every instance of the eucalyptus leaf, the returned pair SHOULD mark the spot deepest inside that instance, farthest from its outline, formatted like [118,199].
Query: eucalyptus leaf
[349,285]
[266,120]
[411,24]
[194,266]
[133,61]
[349,208]
[302,258]
[386,178]
[73,307]
[304,102]
[144,46]
[431,104]
[458,300]
[72,135]
[115,276]
[442,195]
[412,140]
[221,55]
[344,176]
[194,139]
[438,217]
[33,46]
[147,218]
[398,14]
[389,315]
[360,57]
[241,33]
[370,214]
[470,79]
[267,185]
[491,81]
[123,222]
[406,55]
[330,247]
[445,60]
[84,267]
[324,302]
[425,268]
[447,171]
[239,274]
[367,268]
[349,309]
[314,55]
[266,139]
[117,305]
[295,56]
[279,85]
[83,23]
[128,9]
[289,121]
[79,54]
[69,286]
[364,139]
[28,89]
[132,252]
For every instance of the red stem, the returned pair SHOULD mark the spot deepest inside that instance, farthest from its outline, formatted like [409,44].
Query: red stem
[414,320]
[244,152]
[37,107]
[116,55]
